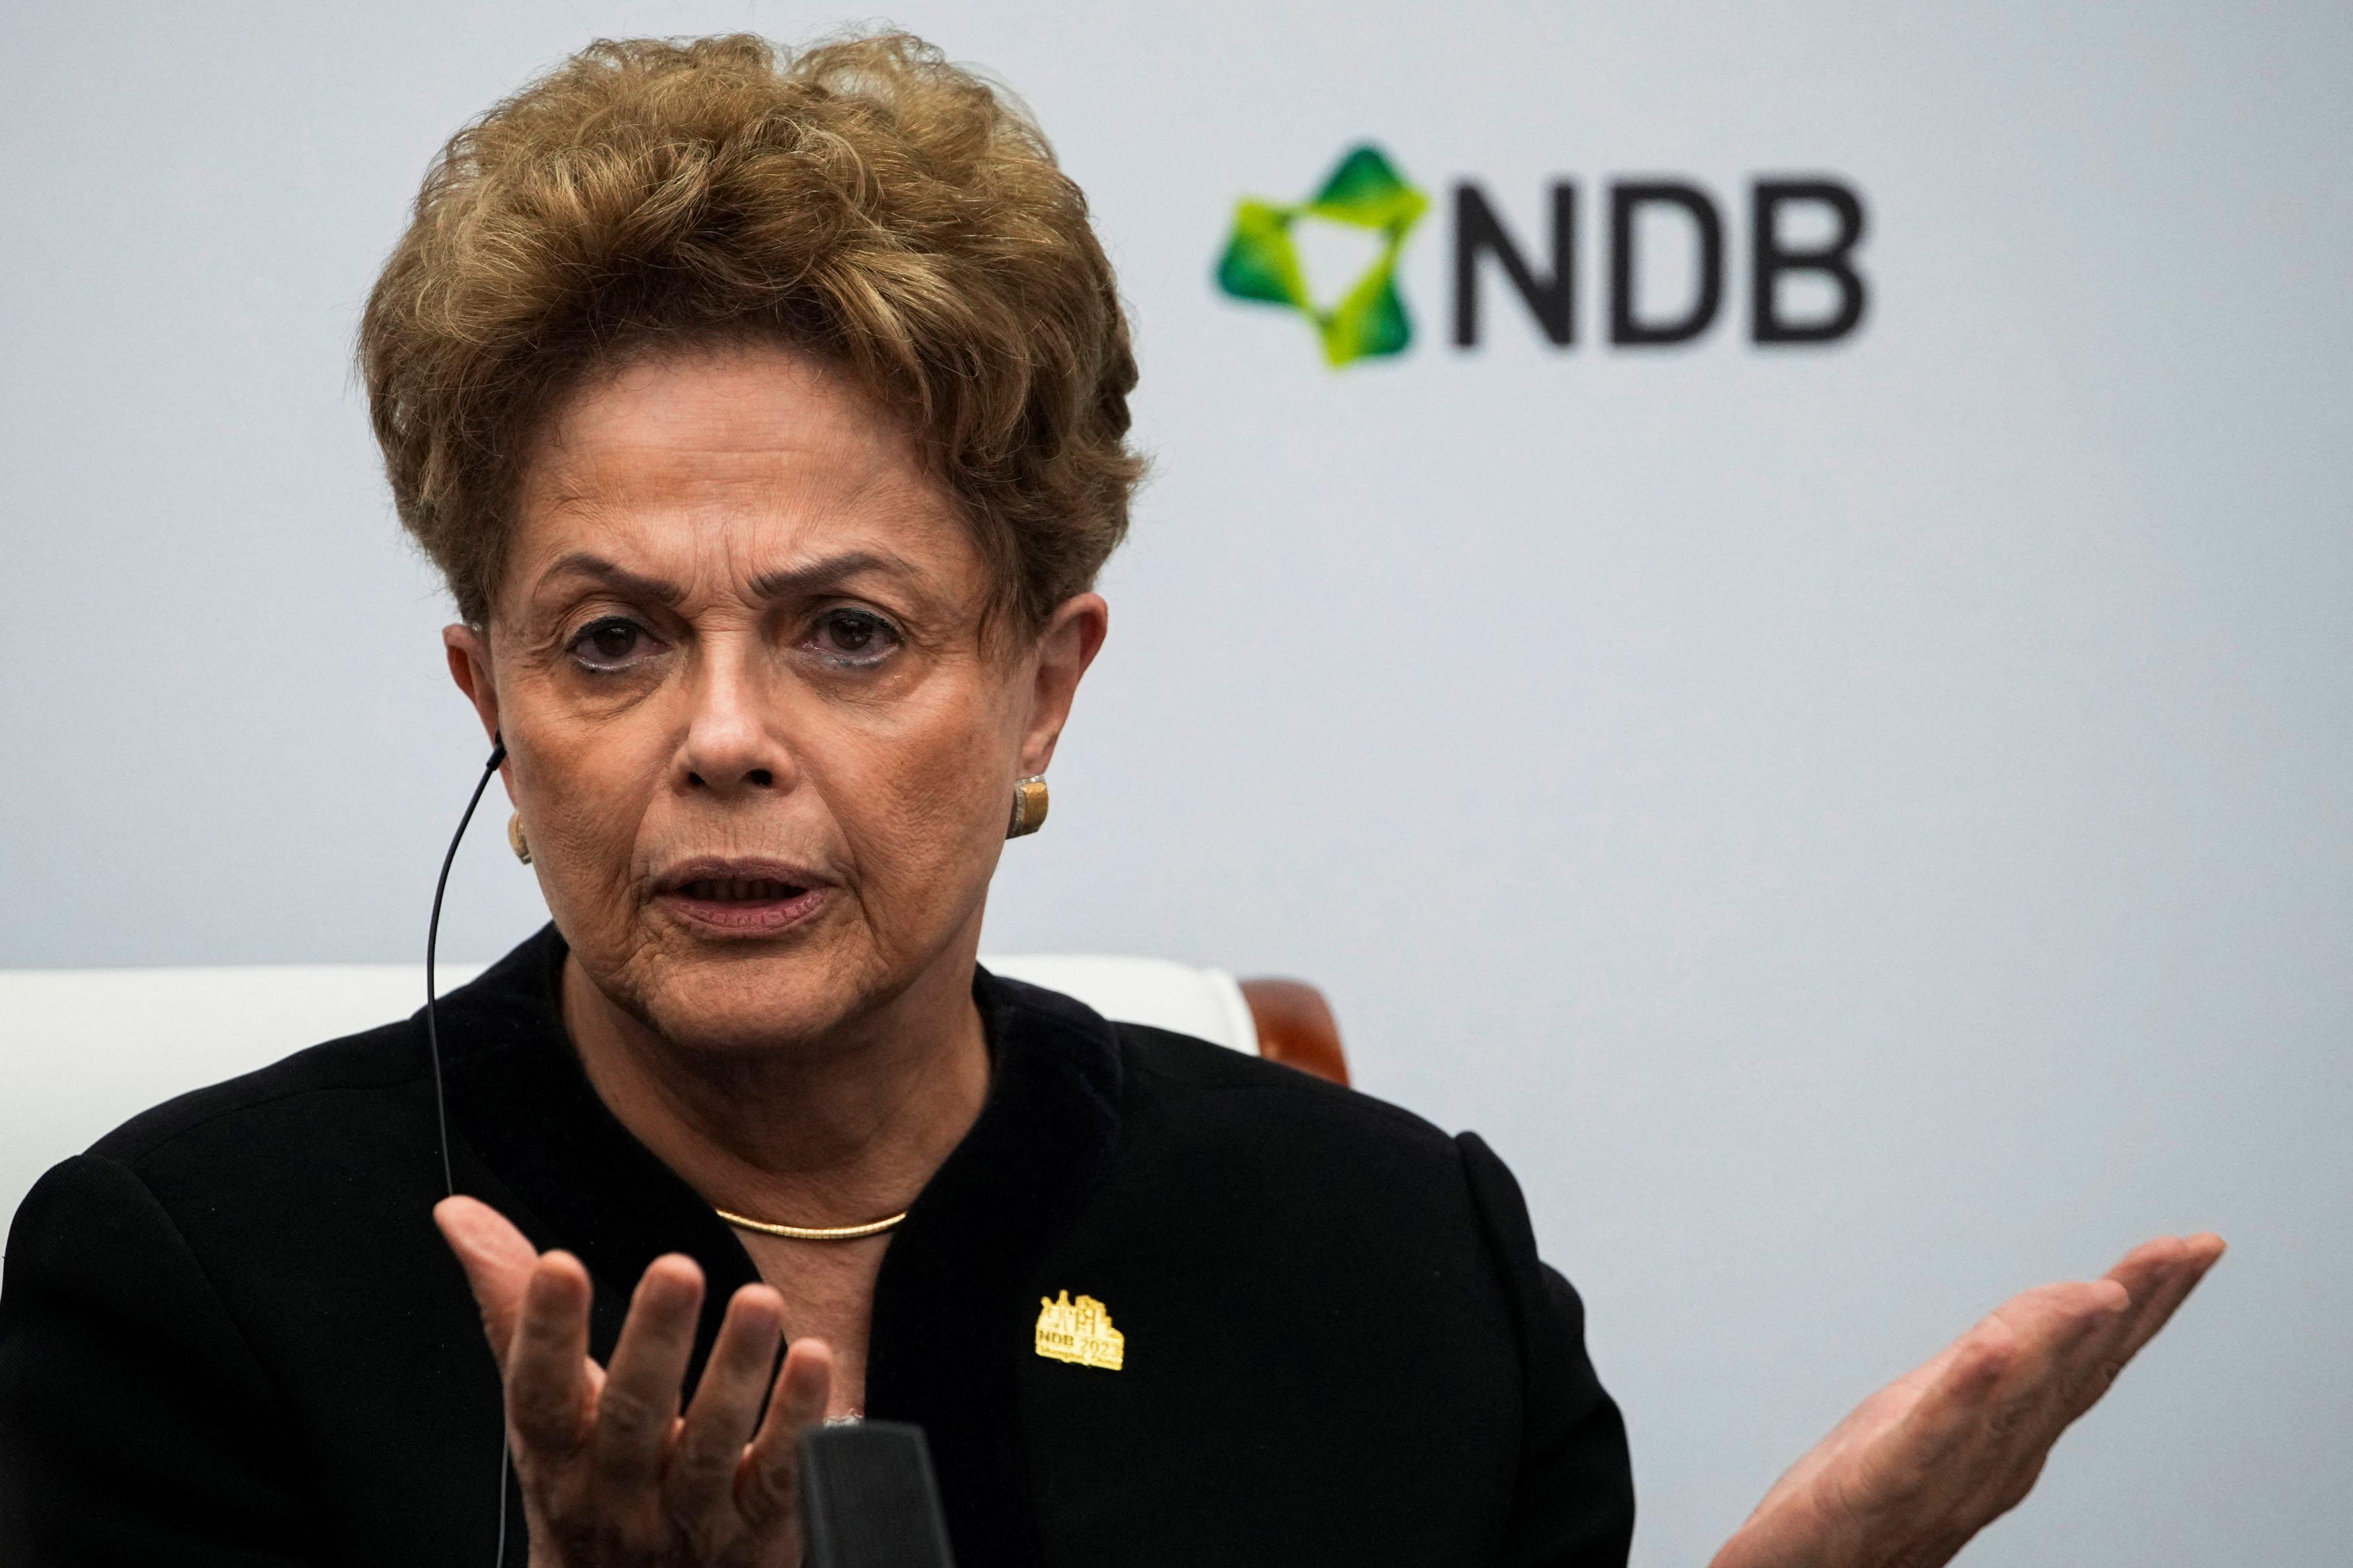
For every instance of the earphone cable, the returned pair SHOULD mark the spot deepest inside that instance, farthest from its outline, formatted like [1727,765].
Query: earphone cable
[432,940]
[433,1048]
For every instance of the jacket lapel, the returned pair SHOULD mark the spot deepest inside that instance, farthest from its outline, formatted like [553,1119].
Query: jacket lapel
[955,1309]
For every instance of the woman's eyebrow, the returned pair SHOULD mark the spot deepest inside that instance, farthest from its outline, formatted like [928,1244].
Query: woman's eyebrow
[781,584]
[580,563]
[828,571]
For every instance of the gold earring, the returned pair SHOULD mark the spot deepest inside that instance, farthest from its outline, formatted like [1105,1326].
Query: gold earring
[516,841]
[1028,806]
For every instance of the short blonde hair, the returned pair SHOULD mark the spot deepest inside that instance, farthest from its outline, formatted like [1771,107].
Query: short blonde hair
[863,201]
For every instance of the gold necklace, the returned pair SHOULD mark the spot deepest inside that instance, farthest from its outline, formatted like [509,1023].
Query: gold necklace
[812,1232]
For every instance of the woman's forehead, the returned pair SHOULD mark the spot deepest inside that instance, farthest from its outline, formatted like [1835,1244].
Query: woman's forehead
[706,422]
[744,464]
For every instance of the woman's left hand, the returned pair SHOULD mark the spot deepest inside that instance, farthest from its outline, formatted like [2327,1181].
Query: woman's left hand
[1925,1463]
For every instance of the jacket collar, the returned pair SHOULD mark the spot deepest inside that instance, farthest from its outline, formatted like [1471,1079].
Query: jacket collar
[953,1308]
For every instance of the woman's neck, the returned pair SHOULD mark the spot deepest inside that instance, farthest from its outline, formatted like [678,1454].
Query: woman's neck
[838,1130]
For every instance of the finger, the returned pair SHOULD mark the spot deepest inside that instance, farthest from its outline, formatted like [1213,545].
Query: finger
[1924,1473]
[711,1441]
[1951,1411]
[639,1407]
[1981,1406]
[1996,1450]
[2160,1275]
[497,1259]
[549,1391]
[2062,1329]
[2153,1274]
[2052,1320]
[2139,1270]
[2159,1291]
[771,1468]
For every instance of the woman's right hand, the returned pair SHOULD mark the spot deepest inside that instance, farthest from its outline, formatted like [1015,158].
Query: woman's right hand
[612,1473]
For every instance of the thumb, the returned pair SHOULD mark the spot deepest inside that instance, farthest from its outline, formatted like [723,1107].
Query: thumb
[497,1259]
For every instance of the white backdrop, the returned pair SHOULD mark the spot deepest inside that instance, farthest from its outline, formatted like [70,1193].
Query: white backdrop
[1862,829]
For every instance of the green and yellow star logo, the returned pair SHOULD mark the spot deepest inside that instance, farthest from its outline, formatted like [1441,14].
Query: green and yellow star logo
[1261,261]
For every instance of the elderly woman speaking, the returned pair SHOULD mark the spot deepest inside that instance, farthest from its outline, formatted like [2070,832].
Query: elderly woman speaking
[767,415]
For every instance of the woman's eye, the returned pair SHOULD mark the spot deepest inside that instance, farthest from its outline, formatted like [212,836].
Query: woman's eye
[610,643]
[854,636]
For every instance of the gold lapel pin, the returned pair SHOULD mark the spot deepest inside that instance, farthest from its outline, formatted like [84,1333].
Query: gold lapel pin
[1079,1333]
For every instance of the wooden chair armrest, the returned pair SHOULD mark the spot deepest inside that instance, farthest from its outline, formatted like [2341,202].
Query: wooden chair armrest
[1295,1026]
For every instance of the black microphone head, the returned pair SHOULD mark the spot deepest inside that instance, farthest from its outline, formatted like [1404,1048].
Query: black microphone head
[868,1500]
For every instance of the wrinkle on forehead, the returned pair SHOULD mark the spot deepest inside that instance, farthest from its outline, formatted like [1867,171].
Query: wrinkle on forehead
[715,439]
[720,419]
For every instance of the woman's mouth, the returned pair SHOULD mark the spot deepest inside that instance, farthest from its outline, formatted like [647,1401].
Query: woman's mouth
[733,902]
[740,890]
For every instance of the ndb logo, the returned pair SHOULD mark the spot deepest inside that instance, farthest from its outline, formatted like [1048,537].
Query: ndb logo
[1803,283]
[1262,259]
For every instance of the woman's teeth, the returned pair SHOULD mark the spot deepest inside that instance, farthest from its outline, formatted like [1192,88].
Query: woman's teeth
[729,890]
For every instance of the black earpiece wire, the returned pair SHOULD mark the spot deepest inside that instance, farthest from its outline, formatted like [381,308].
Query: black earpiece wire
[433,1048]
[432,940]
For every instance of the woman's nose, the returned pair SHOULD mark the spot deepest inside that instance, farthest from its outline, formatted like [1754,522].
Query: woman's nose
[729,746]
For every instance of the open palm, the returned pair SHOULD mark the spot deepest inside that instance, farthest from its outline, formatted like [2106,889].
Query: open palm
[1928,1461]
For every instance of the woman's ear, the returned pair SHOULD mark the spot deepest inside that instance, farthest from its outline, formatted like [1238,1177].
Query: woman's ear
[467,650]
[1073,635]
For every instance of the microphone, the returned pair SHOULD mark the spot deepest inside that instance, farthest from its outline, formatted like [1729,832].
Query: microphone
[868,1500]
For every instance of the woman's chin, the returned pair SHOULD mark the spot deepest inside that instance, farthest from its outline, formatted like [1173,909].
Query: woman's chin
[732,994]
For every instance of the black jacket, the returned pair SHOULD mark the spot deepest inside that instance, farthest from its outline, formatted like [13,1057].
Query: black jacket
[229,1334]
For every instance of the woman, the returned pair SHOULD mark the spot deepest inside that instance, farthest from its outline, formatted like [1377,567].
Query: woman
[767,418]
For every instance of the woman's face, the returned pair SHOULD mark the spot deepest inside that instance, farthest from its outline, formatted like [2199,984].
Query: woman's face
[762,750]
